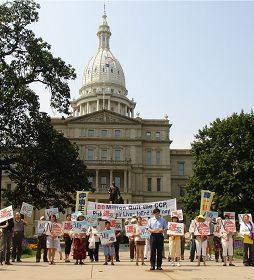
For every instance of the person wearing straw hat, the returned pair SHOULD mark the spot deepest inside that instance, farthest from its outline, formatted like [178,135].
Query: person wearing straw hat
[200,240]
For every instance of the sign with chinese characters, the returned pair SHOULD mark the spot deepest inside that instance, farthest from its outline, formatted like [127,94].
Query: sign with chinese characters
[50,211]
[6,214]
[228,226]
[79,226]
[116,224]
[202,228]
[66,226]
[177,213]
[26,209]
[81,201]
[206,201]
[175,228]
[107,236]
[229,215]
[129,230]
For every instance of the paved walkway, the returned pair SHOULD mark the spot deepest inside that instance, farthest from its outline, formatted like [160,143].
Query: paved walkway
[124,270]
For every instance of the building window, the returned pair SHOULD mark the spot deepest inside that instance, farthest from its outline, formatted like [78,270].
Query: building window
[8,187]
[117,133]
[181,168]
[157,135]
[104,154]
[104,133]
[182,190]
[149,184]
[103,182]
[90,154]
[149,157]
[148,134]
[158,184]
[158,157]
[91,132]
[118,155]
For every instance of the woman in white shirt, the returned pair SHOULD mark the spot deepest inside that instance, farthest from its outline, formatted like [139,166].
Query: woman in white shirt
[247,233]
[94,240]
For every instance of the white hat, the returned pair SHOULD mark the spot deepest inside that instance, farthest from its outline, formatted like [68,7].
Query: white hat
[42,218]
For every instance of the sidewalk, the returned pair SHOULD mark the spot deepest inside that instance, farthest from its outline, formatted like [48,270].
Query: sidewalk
[124,270]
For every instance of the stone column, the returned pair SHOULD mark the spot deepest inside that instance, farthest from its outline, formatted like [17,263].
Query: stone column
[98,104]
[132,113]
[97,180]
[87,107]
[119,107]
[129,182]
[109,104]
[125,181]
[110,177]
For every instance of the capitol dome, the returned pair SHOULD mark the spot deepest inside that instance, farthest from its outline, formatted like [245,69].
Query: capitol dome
[103,83]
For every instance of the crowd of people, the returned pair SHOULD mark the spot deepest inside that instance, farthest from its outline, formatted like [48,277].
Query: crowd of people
[79,245]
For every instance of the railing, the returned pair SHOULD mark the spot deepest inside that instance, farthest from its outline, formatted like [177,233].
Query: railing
[107,162]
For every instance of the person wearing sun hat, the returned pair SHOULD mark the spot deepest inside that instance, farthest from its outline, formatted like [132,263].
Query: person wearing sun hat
[174,242]
[200,240]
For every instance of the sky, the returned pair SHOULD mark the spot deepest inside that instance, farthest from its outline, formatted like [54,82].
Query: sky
[192,61]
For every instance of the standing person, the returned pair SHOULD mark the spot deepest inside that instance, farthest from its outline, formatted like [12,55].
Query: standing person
[200,240]
[175,245]
[93,250]
[210,243]
[52,240]
[131,240]
[217,240]
[7,231]
[139,242]
[156,226]
[108,249]
[41,245]
[227,245]
[79,243]
[118,234]
[247,233]
[18,235]
[67,242]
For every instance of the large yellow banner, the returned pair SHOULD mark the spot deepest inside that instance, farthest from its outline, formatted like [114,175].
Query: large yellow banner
[206,201]
[81,201]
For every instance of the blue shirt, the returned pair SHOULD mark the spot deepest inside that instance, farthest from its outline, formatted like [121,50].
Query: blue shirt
[154,223]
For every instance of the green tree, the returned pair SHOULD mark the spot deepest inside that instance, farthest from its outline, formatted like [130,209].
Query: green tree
[25,60]
[224,163]
[48,173]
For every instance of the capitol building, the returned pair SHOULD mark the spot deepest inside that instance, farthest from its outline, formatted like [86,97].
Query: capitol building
[115,143]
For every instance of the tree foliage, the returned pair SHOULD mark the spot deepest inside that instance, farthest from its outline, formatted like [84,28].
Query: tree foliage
[25,60]
[224,163]
[48,173]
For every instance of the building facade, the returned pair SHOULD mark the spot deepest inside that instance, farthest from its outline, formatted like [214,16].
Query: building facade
[115,145]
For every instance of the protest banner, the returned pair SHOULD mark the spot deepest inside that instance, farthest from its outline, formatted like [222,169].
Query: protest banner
[66,226]
[228,226]
[175,228]
[54,229]
[240,218]
[129,229]
[26,209]
[144,233]
[201,228]
[116,224]
[210,215]
[122,211]
[206,201]
[107,236]
[79,226]
[230,215]
[81,201]
[50,211]
[6,214]
[40,228]
[177,213]
[107,215]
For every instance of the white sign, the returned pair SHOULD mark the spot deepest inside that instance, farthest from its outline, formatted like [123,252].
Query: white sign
[228,226]
[210,215]
[230,215]
[107,236]
[66,226]
[122,211]
[26,209]
[175,228]
[49,212]
[144,233]
[40,229]
[79,226]
[116,224]
[201,228]
[129,230]
[178,213]
[6,214]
